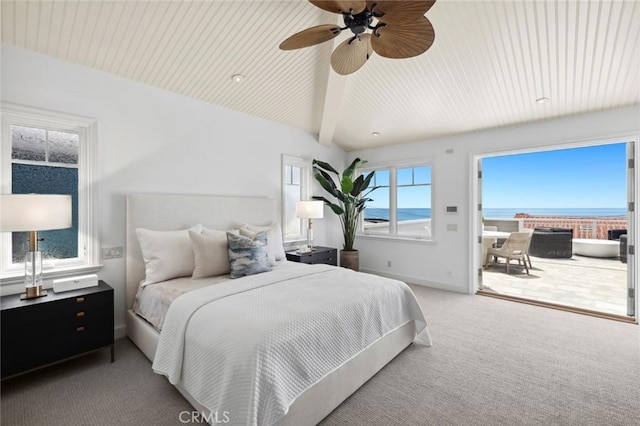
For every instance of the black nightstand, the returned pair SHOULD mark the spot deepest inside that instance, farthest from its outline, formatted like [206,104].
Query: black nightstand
[42,331]
[326,255]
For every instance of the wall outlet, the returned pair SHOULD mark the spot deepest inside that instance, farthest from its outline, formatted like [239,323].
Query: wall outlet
[388,264]
[112,252]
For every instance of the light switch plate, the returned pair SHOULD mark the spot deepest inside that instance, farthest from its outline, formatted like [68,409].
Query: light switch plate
[112,252]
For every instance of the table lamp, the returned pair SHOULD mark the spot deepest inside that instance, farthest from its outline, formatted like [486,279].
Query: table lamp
[309,210]
[33,213]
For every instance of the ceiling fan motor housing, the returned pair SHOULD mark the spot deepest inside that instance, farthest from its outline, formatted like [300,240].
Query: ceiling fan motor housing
[358,23]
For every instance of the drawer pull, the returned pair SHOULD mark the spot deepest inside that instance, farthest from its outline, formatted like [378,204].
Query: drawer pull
[80,314]
[79,299]
[80,329]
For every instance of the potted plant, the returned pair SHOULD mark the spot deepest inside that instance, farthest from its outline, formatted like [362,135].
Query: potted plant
[350,199]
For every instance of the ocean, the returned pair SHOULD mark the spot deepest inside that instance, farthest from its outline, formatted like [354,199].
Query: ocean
[580,212]
[500,213]
[403,214]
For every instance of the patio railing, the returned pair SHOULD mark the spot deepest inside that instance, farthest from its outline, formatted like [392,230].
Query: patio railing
[596,227]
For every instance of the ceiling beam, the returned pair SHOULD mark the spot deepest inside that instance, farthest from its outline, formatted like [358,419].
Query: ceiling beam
[332,100]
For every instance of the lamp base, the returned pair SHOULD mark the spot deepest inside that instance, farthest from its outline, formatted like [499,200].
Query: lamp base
[310,237]
[33,292]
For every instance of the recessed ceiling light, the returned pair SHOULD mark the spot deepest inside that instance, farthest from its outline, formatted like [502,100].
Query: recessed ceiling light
[542,100]
[237,78]
[375,133]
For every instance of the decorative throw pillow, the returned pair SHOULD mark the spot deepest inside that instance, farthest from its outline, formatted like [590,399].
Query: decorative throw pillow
[210,253]
[166,254]
[274,239]
[248,256]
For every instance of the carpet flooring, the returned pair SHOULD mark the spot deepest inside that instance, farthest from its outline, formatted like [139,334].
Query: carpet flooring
[493,362]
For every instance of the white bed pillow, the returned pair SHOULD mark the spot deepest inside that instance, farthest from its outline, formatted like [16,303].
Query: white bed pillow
[275,246]
[166,254]
[210,252]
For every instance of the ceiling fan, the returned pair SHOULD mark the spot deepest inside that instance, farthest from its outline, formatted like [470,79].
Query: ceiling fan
[401,31]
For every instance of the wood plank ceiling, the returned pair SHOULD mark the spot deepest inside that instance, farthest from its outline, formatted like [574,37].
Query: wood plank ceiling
[490,61]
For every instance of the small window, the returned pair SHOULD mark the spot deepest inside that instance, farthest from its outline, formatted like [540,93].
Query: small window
[296,175]
[401,203]
[50,153]
[376,215]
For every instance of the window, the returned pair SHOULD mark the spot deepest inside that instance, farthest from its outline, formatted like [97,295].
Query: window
[296,176]
[49,153]
[401,203]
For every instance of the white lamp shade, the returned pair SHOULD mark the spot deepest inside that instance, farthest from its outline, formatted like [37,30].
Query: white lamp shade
[34,212]
[309,209]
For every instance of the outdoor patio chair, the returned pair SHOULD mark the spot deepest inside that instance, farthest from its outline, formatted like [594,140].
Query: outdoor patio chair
[514,248]
[526,251]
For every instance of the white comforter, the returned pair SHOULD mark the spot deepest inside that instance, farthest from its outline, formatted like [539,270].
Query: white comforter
[248,348]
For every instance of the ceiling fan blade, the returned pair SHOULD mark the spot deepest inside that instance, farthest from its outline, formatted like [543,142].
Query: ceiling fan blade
[350,57]
[310,36]
[399,11]
[340,6]
[404,41]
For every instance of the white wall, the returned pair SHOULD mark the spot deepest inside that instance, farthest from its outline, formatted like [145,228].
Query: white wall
[152,140]
[447,262]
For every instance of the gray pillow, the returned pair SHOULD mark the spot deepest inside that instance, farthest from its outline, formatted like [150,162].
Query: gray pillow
[248,256]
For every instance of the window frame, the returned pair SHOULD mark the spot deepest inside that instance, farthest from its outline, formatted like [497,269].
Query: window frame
[305,194]
[88,236]
[392,167]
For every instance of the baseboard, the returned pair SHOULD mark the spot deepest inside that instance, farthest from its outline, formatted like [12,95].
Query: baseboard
[417,281]
[120,331]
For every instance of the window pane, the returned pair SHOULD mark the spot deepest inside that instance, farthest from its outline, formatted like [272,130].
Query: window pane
[63,147]
[381,178]
[414,210]
[36,179]
[287,174]
[405,176]
[422,175]
[293,226]
[295,175]
[376,215]
[28,143]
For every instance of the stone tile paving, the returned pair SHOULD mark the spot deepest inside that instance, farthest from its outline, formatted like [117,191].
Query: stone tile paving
[583,282]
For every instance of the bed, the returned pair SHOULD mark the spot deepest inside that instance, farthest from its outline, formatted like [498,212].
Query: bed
[305,382]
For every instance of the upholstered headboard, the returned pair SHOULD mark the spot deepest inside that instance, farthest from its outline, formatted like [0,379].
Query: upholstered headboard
[165,212]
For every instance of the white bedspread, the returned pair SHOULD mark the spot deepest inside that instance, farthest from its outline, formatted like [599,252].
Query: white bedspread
[251,346]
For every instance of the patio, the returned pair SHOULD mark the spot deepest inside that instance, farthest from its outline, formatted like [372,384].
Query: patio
[582,282]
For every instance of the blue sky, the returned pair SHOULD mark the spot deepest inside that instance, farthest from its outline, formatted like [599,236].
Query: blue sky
[407,196]
[589,177]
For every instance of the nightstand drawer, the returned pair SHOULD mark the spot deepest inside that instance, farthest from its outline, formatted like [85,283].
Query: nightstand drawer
[321,255]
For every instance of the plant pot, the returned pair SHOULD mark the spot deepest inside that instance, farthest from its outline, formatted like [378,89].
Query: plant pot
[350,259]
